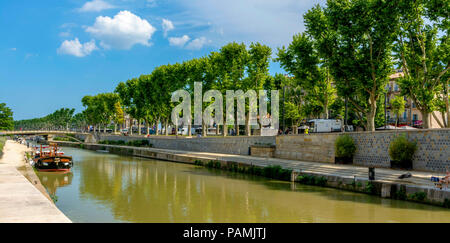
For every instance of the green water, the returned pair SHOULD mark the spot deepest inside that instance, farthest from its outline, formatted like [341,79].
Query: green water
[104,187]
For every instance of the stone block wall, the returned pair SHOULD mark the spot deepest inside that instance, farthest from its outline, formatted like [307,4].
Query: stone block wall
[316,147]
[226,145]
[433,148]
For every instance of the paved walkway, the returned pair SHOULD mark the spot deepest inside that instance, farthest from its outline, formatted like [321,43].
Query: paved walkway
[381,174]
[20,201]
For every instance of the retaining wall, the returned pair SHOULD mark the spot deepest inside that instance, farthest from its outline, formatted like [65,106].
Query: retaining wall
[433,146]
[225,145]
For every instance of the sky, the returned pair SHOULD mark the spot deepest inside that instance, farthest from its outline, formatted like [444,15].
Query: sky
[52,53]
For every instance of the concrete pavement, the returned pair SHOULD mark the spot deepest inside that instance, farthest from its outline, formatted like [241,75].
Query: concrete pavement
[21,201]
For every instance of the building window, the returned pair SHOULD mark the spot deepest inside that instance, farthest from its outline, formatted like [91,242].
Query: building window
[415,117]
[396,87]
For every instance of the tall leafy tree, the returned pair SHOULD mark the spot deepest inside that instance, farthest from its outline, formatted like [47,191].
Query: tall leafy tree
[6,118]
[360,39]
[422,50]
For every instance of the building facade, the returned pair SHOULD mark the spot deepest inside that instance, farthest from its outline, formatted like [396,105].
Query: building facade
[411,116]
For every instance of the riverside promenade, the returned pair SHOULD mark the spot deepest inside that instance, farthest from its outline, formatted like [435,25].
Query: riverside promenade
[20,200]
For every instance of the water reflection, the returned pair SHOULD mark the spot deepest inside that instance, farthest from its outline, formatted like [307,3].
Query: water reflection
[111,188]
[54,180]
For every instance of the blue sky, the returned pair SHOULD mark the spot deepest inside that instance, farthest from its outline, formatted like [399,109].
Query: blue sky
[55,52]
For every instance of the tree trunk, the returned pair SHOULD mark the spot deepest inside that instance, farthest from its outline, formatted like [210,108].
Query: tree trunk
[157,130]
[371,114]
[115,128]
[447,108]
[139,126]
[166,127]
[204,128]
[189,133]
[425,119]
[437,120]
[131,126]
[248,130]
[225,130]
[148,128]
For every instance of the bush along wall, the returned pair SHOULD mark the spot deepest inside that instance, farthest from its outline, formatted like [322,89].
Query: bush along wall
[345,149]
[401,152]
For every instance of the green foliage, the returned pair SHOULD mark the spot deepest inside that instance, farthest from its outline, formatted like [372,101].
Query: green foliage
[6,118]
[344,146]
[214,164]
[401,194]
[58,120]
[402,151]
[417,196]
[422,51]
[277,172]
[312,180]
[446,203]
[198,162]
[370,188]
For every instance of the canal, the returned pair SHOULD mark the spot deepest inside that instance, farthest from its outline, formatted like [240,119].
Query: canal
[105,187]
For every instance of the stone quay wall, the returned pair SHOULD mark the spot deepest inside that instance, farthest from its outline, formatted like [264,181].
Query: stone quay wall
[224,145]
[433,146]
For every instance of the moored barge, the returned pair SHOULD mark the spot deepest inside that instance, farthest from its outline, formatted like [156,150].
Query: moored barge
[51,160]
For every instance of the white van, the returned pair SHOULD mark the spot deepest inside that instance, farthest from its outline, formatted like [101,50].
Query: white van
[325,125]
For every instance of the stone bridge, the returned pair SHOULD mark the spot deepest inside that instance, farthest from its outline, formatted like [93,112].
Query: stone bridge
[48,135]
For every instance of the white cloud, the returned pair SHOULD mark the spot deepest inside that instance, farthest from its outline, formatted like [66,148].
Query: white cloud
[123,31]
[75,48]
[179,41]
[13,49]
[198,43]
[167,26]
[96,6]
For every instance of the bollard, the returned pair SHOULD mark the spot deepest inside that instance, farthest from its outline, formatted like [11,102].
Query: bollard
[371,173]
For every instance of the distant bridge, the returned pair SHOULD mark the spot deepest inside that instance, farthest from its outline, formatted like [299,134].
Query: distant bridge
[38,132]
[48,135]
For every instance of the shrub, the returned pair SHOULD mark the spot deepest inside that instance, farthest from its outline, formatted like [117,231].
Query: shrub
[370,188]
[446,203]
[418,196]
[312,180]
[402,151]
[276,172]
[345,147]
[401,194]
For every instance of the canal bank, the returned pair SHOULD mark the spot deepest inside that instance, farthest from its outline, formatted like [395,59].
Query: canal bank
[22,198]
[417,188]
